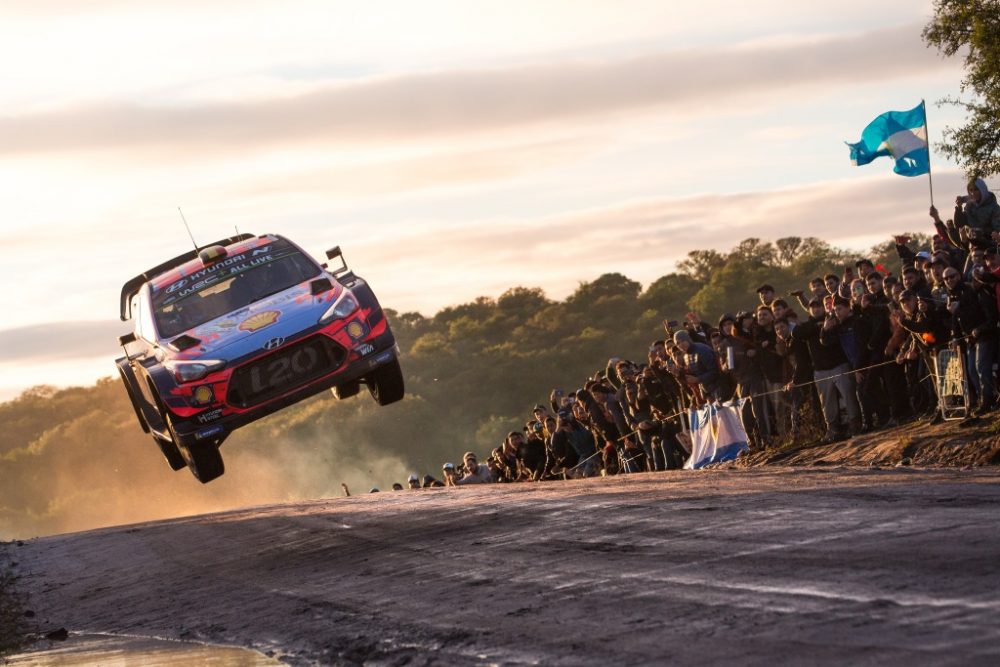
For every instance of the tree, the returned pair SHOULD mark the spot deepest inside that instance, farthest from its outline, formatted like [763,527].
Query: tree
[973,25]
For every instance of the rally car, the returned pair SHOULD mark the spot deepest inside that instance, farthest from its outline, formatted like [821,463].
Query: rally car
[233,331]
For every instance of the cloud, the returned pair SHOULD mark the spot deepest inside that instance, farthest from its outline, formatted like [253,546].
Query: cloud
[432,268]
[446,103]
[61,340]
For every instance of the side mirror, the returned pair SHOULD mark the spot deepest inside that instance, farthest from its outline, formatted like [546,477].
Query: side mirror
[126,339]
[335,252]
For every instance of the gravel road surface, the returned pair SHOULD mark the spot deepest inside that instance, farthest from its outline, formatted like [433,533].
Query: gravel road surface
[802,566]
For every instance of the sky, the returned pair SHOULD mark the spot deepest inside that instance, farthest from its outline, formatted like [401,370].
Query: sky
[452,149]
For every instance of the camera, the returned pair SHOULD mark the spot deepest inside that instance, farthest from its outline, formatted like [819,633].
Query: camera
[796,292]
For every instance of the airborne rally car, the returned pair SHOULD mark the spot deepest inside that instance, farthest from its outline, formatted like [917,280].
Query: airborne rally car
[239,329]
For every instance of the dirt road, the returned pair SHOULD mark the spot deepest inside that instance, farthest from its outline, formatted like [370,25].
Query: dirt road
[803,566]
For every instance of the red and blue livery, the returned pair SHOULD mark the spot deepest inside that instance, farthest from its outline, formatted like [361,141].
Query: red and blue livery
[236,330]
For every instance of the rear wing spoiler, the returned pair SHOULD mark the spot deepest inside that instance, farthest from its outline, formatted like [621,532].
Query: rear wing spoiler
[132,287]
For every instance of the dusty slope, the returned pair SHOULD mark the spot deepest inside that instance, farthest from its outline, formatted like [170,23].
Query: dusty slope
[953,443]
[809,566]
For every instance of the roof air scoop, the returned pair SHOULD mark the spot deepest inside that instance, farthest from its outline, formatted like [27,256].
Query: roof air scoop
[212,254]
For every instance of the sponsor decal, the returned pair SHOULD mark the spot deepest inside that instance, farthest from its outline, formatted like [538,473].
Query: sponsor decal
[209,432]
[203,395]
[274,343]
[365,348]
[226,324]
[385,356]
[356,330]
[209,416]
[260,320]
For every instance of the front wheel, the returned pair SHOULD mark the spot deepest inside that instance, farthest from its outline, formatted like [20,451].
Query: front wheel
[386,383]
[171,453]
[204,460]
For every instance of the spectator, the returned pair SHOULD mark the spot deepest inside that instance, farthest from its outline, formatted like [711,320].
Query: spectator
[572,436]
[771,409]
[413,482]
[430,482]
[831,372]
[476,473]
[974,326]
[701,366]
[766,294]
[450,476]
[978,210]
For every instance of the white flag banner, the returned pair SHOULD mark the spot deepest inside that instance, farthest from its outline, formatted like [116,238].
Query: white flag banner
[717,434]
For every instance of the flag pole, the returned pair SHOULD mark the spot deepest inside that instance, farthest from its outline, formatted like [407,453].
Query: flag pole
[930,181]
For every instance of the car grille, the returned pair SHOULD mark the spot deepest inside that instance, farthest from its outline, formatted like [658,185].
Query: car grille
[286,369]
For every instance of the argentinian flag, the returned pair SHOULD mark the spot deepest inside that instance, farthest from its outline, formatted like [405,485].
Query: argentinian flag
[901,135]
[717,433]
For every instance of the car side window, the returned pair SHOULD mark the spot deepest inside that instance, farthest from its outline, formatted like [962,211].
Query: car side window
[144,319]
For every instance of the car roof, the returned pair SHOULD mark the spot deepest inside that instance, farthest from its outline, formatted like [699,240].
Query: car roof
[132,287]
[173,275]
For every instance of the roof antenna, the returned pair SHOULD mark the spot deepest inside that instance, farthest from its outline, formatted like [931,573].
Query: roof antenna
[188,228]
[237,229]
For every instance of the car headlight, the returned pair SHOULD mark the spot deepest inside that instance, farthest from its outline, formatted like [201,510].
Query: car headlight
[189,371]
[343,307]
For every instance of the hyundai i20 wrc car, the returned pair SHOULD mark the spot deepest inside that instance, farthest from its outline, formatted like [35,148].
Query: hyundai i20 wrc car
[242,328]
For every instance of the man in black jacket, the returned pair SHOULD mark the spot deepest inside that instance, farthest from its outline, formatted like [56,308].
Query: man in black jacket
[830,370]
[974,324]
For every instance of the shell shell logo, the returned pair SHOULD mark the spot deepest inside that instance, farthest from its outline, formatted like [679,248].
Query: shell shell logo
[260,320]
[355,330]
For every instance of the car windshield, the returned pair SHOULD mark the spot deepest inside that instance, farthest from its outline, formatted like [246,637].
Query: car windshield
[228,285]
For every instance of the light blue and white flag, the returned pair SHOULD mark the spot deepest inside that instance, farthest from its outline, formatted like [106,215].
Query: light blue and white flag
[717,434]
[902,135]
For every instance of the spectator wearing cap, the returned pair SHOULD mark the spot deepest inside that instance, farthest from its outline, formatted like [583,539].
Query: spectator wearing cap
[701,366]
[413,482]
[475,472]
[974,326]
[766,294]
[449,474]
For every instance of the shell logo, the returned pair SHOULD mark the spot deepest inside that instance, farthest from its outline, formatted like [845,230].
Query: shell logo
[260,320]
[355,330]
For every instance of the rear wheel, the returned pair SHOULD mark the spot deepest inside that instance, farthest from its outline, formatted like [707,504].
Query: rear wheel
[346,390]
[386,383]
[204,460]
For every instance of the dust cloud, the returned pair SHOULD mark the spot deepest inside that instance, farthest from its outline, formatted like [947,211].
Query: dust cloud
[93,467]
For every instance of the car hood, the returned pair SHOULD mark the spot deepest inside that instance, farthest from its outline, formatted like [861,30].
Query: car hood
[242,331]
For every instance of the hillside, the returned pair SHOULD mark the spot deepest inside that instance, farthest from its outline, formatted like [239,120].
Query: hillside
[74,459]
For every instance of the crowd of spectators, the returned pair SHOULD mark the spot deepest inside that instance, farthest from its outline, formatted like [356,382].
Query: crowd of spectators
[861,356]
